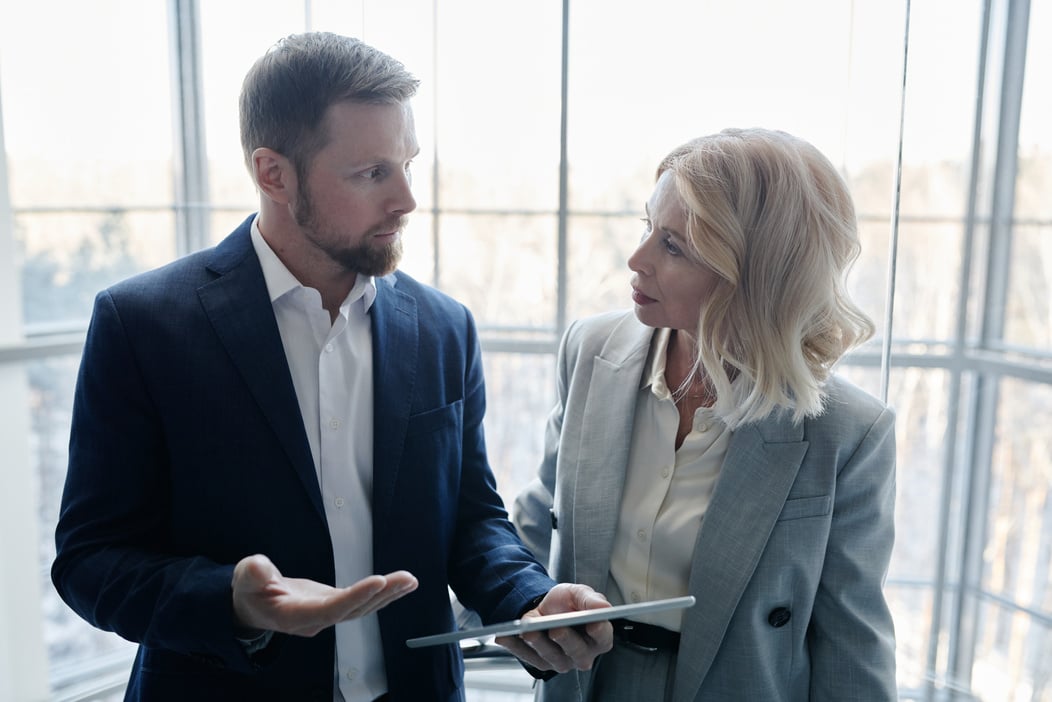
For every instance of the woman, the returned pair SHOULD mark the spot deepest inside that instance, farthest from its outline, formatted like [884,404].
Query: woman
[703,445]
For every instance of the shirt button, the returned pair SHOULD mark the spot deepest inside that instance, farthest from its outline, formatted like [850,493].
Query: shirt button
[334,423]
[665,472]
[339,502]
[636,597]
[328,348]
[642,534]
[352,673]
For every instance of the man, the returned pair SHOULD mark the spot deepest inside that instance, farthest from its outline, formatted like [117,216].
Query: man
[262,428]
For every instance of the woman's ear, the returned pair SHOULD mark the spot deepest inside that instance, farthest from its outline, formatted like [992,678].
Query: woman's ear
[274,175]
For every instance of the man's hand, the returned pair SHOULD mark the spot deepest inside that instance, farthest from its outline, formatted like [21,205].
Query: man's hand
[564,648]
[266,600]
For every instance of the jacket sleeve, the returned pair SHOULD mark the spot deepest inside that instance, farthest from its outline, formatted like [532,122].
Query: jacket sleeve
[491,571]
[851,636]
[112,566]
[533,510]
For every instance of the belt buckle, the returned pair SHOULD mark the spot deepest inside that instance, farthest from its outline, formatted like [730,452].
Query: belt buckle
[627,627]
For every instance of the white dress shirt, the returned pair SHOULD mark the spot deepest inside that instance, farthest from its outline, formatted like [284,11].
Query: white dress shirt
[667,493]
[332,371]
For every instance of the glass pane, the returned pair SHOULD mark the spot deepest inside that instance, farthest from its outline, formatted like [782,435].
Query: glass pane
[1035,143]
[940,103]
[1012,660]
[868,279]
[69,638]
[502,267]
[1029,317]
[925,291]
[67,257]
[641,82]
[225,58]
[520,391]
[597,262]
[87,103]
[496,88]
[1028,321]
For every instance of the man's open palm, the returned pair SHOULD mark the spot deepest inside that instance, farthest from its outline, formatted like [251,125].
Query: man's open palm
[266,600]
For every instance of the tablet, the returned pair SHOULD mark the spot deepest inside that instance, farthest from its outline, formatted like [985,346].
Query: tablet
[551,621]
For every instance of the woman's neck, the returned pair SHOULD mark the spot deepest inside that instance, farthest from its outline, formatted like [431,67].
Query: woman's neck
[684,377]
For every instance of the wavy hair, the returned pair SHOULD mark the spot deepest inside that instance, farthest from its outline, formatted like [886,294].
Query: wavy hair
[773,218]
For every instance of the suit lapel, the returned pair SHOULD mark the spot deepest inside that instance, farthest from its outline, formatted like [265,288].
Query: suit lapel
[238,306]
[395,355]
[761,465]
[602,459]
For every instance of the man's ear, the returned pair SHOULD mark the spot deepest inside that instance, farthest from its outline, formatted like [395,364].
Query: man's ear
[274,175]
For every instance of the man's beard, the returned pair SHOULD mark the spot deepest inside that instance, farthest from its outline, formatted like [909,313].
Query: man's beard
[362,257]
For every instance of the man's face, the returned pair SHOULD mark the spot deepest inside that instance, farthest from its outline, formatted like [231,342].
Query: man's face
[353,200]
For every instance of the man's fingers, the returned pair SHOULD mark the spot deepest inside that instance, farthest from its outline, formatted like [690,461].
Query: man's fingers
[265,599]
[564,648]
[579,646]
[523,651]
[373,593]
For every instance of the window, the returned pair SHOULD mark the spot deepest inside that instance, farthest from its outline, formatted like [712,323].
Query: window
[541,125]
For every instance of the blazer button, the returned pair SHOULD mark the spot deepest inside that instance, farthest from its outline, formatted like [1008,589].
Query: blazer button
[555,520]
[779,617]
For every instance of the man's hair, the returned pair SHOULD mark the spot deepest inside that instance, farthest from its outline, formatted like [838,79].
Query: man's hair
[287,91]
[771,216]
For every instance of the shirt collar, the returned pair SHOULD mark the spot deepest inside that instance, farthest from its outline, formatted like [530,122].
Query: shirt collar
[654,377]
[280,280]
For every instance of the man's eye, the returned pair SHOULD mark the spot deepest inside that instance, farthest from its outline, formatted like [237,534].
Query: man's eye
[374,173]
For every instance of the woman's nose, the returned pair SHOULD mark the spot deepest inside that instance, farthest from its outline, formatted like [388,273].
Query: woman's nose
[638,261]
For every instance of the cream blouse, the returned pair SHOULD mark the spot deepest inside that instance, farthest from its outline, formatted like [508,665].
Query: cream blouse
[666,494]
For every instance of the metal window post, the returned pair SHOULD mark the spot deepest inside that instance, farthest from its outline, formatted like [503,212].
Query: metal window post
[190,158]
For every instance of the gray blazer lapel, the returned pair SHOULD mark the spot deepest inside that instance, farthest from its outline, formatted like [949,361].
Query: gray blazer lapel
[761,464]
[238,306]
[602,457]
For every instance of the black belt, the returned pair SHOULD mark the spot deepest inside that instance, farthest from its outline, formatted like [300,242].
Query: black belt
[646,637]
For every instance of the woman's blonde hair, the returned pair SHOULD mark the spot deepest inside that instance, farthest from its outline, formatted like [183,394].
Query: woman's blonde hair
[773,218]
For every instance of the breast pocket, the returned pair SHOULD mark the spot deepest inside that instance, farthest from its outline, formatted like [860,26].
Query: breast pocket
[804,507]
[446,418]
[434,444]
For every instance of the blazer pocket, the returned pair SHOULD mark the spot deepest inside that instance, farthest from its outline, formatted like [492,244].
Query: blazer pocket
[447,417]
[804,507]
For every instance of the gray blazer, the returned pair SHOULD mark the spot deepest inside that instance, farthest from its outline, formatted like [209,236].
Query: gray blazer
[801,523]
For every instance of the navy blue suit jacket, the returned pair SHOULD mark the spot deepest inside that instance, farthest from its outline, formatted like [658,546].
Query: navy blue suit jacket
[188,453]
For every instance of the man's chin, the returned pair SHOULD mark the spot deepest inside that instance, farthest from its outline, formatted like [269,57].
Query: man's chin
[377,262]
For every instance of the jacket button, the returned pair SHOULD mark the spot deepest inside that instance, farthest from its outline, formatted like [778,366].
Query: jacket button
[555,520]
[779,617]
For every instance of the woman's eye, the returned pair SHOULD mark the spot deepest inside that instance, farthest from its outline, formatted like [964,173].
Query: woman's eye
[671,248]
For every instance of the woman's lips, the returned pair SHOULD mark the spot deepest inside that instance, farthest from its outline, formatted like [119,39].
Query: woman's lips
[641,299]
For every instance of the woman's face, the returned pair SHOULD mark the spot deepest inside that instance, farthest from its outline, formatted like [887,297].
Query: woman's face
[669,284]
